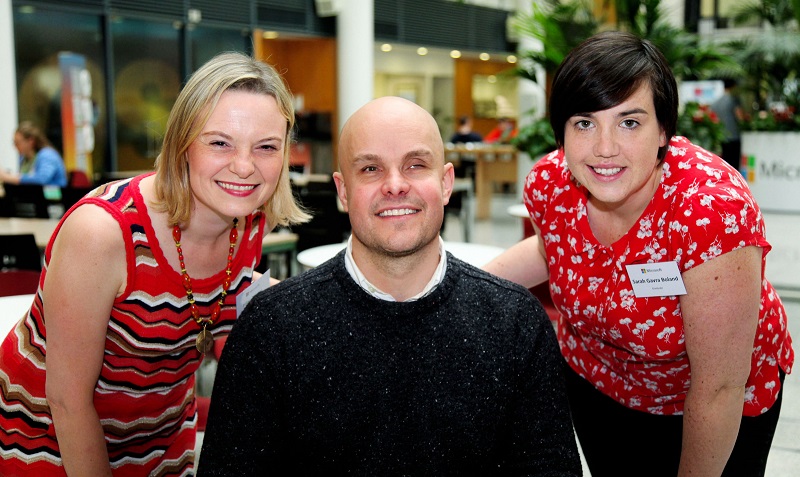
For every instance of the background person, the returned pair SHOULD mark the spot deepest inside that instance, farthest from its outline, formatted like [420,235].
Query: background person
[729,111]
[660,383]
[393,357]
[39,162]
[98,378]
[502,133]
[464,133]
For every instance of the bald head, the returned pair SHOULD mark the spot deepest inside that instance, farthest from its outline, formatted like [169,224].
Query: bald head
[391,115]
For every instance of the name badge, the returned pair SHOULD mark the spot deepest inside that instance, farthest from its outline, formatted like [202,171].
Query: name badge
[243,298]
[656,279]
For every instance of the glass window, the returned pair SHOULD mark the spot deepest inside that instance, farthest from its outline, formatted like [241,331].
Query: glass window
[39,36]
[147,79]
[206,42]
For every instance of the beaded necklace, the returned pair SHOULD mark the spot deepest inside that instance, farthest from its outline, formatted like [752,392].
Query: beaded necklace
[205,340]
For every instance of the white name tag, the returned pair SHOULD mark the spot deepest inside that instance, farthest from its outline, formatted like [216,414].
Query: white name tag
[656,279]
[242,299]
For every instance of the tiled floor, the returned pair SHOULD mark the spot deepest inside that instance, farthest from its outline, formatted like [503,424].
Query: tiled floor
[783,270]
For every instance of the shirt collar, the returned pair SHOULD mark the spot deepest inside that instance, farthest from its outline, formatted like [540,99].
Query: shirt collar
[359,277]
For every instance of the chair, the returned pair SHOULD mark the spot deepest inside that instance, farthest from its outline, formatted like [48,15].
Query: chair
[329,224]
[78,178]
[70,195]
[18,282]
[20,252]
[20,264]
[25,200]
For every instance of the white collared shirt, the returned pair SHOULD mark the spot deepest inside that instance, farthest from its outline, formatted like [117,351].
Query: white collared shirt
[359,277]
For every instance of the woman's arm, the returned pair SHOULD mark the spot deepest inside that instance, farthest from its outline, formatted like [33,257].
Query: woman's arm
[86,272]
[523,263]
[720,316]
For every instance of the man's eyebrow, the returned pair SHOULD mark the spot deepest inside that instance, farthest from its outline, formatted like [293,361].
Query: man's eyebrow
[366,158]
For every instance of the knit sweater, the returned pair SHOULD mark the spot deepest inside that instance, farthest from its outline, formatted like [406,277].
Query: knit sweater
[320,378]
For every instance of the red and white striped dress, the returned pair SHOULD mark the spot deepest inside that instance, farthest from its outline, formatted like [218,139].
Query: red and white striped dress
[145,393]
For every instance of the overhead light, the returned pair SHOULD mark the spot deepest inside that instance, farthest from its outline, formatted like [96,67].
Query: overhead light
[455,54]
[422,51]
[386,48]
[511,59]
[484,56]
[270,35]
[491,79]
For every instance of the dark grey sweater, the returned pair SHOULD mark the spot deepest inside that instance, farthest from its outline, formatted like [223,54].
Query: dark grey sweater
[320,378]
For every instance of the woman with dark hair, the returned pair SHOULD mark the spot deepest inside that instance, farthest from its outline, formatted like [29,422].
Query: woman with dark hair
[676,345]
[39,162]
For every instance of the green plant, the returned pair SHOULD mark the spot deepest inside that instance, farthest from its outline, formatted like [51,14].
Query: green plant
[774,119]
[559,27]
[699,124]
[771,64]
[535,138]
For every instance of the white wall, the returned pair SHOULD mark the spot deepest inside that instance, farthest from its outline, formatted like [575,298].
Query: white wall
[8,88]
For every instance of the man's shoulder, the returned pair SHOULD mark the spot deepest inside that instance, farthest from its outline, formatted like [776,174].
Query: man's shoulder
[486,285]
[308,287]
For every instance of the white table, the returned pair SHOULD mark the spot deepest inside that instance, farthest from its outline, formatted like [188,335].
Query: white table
[42,229]
[472,253]
[518,210]
[12,308]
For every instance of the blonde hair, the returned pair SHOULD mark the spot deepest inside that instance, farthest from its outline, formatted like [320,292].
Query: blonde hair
[195,103]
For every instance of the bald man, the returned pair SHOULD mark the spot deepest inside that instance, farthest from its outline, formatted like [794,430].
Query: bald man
[394,357]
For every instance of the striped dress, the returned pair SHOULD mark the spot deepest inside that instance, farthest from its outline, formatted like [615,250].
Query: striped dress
[145,393]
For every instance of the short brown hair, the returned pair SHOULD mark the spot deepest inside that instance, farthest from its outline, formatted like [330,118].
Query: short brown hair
[604,71]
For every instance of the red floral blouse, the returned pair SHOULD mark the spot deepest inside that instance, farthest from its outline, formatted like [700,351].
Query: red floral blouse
[632,349]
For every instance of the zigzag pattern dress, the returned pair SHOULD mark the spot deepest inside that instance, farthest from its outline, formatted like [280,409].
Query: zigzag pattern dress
[145,393]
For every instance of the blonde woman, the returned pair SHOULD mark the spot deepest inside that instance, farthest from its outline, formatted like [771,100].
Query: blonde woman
[140,278]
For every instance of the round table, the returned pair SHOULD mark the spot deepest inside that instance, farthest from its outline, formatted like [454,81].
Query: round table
[518,210]
[13,308]
[472,253]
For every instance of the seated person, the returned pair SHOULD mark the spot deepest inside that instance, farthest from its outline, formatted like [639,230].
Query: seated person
[39,162]
[503,133]
[393,357]
[464,133]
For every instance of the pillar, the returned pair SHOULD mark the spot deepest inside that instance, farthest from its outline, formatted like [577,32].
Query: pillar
[355,64]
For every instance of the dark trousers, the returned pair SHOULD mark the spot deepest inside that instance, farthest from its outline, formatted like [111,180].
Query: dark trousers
[620,442]
[732,153]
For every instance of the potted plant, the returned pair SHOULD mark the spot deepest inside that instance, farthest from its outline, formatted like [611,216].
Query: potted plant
[701,125]
[770,91]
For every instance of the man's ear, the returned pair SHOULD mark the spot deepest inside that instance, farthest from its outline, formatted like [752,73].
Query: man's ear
[341,189]
[447,182]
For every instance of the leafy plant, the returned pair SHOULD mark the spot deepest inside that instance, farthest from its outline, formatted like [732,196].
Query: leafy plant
[771,64]
[559,27]
[536,138]
[701,125]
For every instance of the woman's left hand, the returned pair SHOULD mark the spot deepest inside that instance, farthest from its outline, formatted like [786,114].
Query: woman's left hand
[720,317]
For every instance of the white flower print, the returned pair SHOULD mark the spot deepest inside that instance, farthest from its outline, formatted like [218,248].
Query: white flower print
[594,284]
[731,227]
[666,333]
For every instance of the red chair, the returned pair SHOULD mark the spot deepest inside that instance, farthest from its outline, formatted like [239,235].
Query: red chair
[18,282]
